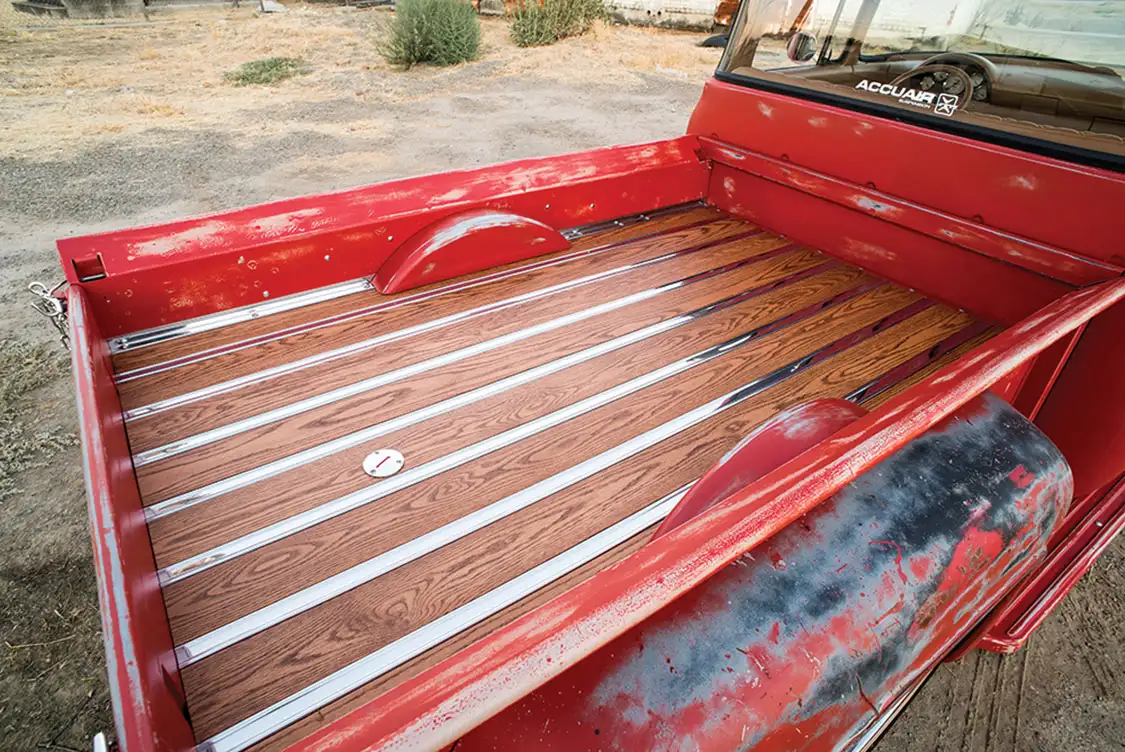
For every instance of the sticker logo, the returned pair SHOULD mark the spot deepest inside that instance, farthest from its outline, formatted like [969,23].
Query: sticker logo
[946,104]
[913,97]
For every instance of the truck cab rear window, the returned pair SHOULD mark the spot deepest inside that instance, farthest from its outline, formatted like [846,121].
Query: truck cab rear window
[1047,70]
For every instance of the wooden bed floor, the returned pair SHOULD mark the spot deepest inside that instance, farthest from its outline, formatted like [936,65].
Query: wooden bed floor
[549,414]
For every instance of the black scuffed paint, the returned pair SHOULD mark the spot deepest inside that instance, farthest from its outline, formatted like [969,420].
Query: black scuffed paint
[829,598]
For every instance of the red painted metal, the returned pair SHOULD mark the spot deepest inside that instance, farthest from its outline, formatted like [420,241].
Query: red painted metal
[993,290]
[1084,414]
[458,694]
[1037,198]
[1043,372]
[143,678]
[770,445]
[970,235]
[1095,524]
[1035,597]
[795,645]
[1012,384]
[165,273]
[464,243]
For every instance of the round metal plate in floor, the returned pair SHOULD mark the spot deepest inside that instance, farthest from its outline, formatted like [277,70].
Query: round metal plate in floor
[383,463]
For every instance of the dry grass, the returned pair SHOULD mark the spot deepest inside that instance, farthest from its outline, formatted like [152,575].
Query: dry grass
[26,439]
[80,81]
[64,88]
[10,18]
[617,49]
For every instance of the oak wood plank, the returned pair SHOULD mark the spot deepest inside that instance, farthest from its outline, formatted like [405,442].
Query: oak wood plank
[271,665]
[201,415]
[221,459]
[930,369]
[274,351]
[238,586]
[200,528]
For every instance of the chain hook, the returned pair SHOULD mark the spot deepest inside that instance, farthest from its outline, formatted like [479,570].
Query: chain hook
[48,303]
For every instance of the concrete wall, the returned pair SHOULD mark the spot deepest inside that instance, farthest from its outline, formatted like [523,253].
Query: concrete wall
[673,14]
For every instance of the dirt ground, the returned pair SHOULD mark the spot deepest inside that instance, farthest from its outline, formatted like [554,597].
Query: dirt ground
[106,126]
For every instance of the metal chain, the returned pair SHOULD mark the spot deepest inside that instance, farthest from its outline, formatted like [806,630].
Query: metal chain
[53,307]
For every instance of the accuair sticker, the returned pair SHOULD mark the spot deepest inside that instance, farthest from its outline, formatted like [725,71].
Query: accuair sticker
[946,104]
[942,104]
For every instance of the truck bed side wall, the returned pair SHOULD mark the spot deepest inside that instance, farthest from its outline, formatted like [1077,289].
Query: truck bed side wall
[149,276]
[1084,411]
[143,678]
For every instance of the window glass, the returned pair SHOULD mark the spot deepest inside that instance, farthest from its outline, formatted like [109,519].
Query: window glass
[1046,69]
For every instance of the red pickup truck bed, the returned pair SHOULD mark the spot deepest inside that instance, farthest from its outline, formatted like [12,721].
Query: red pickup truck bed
[554,399]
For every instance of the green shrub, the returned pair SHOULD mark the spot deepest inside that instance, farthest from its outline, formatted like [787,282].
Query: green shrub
[441,32]
[269,70]
[542,22]
[533,25]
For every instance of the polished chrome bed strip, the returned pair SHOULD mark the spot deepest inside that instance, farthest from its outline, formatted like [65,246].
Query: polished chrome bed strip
[209,353]
[271,469]
[311,517]
[885,381]
[222,319]
[375,382]
[285,712]
[423,328]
